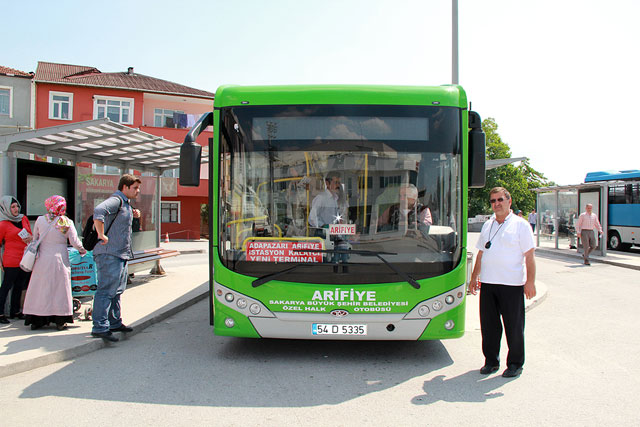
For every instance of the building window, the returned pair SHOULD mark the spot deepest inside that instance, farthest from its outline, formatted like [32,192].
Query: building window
[60,105]
[166,118]
[171,173]
[105,170]
[119,110]
[390,181]
[5,101]
[170,211]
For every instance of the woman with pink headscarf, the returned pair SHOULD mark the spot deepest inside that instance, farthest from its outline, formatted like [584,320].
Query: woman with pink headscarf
[48,297]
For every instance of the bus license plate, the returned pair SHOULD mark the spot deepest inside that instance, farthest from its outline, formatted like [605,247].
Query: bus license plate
[338,329]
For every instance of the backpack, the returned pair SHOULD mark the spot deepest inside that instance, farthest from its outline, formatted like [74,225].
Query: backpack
[89,233]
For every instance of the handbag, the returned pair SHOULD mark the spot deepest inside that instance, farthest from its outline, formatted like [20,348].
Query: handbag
[31,251]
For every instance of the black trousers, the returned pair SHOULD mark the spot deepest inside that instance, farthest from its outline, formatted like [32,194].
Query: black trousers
[507,302]
[17,279]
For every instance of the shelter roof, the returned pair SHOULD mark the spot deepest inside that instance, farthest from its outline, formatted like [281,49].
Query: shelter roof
[570,187]
[79,75]
[102,142]
[495,163]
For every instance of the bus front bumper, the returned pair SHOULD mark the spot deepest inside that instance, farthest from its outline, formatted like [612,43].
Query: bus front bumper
[445,313]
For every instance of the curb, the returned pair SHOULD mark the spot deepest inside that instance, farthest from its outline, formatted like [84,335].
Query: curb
[192,251]
[51,358]
[551,253]
[93,344]
[536,301]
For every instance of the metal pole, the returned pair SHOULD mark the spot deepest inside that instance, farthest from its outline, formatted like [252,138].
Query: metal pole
[556,219]
[454,42]
[157,268]
[604,218]
[158,209]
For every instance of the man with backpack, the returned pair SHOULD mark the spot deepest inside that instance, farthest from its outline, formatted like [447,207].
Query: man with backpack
[111,255]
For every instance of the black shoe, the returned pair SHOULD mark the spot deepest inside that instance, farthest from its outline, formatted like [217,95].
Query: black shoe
[511,372]
[486,369]
[107,336]
[3,319]
[121,328]
[18,316]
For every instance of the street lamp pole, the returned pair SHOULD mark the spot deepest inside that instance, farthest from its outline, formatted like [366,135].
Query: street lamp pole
[454,42]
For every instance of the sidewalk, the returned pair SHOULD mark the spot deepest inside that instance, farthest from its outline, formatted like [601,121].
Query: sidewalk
[619,259]
[186,247]
[148,300]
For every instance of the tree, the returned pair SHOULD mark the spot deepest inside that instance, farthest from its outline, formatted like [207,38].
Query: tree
[519,180]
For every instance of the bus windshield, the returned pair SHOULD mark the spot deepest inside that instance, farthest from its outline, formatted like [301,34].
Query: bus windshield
[317,186]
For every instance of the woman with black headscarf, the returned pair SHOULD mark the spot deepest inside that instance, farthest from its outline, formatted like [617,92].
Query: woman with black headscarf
[15,233]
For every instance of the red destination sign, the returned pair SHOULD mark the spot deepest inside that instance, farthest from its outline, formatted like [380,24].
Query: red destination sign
[283,251]
[349,229]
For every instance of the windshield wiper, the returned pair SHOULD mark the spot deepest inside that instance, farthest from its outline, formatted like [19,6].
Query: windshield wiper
[268,277]
[377,254]
[400,273]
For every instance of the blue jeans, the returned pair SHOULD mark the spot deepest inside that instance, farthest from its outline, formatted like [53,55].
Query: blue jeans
[112,275]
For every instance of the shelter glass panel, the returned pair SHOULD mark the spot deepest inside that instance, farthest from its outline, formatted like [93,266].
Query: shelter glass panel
[567,217]
[93,188]
[547,222]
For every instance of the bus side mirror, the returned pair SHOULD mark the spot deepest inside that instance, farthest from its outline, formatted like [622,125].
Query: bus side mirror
[477,152]
[191,152]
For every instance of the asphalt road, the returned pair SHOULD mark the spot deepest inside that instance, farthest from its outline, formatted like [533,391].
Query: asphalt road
[583,359]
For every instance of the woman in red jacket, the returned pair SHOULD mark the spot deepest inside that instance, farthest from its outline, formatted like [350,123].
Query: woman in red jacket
[14,240]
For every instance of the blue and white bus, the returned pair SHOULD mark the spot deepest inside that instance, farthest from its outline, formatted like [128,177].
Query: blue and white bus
[623,228]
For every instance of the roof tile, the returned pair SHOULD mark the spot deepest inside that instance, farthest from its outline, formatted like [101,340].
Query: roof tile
[11,71]
[79,75]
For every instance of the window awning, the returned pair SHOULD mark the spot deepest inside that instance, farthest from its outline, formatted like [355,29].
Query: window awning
[102,142]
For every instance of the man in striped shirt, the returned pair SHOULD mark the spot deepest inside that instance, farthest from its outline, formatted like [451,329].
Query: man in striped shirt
[587,223]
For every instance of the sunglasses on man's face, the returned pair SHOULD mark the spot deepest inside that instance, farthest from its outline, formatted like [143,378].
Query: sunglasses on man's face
[499,199]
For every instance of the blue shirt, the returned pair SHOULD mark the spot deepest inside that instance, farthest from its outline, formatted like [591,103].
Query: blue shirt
[119,234]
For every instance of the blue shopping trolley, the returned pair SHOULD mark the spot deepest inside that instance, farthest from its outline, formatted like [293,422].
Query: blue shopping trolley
[83,281]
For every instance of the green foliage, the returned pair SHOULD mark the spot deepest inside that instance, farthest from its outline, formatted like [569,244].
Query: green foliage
[518,180]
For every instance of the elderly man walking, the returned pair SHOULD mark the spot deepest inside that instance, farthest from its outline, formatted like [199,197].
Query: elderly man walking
[586,227]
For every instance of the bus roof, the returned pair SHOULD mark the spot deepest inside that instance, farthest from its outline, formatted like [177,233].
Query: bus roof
[446,95]
[612,175]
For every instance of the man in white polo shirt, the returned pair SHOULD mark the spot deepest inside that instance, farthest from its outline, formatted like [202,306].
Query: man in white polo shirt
[505,247]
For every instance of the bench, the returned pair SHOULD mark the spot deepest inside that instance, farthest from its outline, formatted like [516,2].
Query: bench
[141,259]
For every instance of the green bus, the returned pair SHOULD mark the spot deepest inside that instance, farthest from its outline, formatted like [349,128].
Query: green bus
[338,212]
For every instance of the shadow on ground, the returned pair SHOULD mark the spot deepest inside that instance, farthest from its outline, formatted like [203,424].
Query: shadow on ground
[181,362]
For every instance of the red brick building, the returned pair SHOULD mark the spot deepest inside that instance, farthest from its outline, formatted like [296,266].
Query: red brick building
[73,93]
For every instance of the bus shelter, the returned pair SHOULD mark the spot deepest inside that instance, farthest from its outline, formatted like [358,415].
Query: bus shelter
[559,208]
[83,162]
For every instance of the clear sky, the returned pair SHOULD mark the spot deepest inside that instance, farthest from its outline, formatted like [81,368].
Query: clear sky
[561,78]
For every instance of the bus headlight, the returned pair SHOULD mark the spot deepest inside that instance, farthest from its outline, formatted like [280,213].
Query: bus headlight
[437,305]
[449,324]
[423,311]
[449,299]
[229,297]
[229,322]
[254,309]
[242,303]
